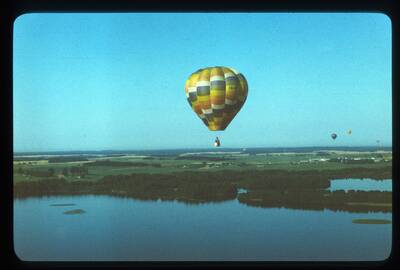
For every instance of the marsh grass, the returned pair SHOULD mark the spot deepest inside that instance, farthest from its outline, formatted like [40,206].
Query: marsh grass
[74,212]
[372,221]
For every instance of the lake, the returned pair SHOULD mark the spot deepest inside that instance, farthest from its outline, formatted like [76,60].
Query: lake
[361,184]
[114,228]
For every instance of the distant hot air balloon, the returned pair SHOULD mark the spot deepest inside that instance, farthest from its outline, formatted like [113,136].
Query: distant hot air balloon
[216,94]
[334,136]
[378,142]
[349,132]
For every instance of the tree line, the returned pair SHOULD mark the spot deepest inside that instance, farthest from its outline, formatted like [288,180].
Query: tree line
[81,171]
[273,188]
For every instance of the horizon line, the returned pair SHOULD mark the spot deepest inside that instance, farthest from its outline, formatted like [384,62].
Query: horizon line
[202,148]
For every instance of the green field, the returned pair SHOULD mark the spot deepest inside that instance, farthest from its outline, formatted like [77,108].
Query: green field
[201,162]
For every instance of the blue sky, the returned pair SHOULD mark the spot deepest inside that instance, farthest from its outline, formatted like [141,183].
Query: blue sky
[116,81]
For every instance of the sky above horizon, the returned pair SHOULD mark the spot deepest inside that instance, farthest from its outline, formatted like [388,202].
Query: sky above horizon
[116,81]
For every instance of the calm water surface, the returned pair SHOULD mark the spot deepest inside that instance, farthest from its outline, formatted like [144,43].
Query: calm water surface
[125,229]
[361,184]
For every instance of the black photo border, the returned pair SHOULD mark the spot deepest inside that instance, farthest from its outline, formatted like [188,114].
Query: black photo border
[10,10]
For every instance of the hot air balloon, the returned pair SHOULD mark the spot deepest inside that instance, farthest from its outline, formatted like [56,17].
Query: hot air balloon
[216,94]
[217,143]
[349,132]
[334,136]
[378,142]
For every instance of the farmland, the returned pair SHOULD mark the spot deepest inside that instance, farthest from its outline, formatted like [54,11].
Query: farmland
[285,179]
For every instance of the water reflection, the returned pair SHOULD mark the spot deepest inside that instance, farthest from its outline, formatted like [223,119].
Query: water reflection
[314,194]
[126,229]
[272,188]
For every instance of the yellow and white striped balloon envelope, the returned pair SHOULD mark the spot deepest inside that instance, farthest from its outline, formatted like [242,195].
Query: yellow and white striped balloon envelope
[216,95]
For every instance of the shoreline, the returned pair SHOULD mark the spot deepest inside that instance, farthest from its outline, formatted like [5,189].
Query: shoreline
[268,188]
